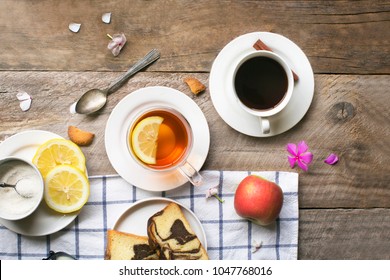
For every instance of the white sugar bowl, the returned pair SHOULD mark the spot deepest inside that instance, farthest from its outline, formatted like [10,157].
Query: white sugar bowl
[21,188]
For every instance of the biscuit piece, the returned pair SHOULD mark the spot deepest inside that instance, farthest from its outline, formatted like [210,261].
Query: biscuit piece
[195,85]
[127,246]
[80,137]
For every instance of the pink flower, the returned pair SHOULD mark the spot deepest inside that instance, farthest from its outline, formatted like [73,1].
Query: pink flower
[117,43]
[299,155]
[332,159]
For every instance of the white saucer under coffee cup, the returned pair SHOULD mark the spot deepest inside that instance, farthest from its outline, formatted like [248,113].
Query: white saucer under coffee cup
[248,85]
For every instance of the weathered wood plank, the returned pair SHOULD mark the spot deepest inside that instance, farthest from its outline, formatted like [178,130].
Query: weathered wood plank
[347,117]
[344,234]
[337,36]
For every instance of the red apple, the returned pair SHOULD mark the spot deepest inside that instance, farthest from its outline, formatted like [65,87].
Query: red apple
[258,200]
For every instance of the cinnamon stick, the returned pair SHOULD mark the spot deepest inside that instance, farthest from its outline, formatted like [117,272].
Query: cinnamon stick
[260,45]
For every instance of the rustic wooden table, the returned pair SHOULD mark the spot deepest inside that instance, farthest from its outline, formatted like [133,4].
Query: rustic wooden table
[344,209]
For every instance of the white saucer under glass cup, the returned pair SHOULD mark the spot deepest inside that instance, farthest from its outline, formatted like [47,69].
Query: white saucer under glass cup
[263,85]
[175,142]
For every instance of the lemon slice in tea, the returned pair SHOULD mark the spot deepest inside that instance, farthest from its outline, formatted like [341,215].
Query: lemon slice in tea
[144,139]
[58,152]
[66,189]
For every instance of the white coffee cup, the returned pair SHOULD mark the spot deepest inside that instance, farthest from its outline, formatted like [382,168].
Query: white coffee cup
[263,85]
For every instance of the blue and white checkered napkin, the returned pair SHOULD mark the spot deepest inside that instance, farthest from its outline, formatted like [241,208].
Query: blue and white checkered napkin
[228,236]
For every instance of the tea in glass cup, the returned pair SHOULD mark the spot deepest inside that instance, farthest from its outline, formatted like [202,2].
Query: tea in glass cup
[160,139]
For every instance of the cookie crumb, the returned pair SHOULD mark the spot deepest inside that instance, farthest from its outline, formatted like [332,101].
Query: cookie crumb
[80,137]
[195,85]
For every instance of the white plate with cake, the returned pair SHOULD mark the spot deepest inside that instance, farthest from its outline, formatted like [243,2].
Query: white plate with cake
[135,219]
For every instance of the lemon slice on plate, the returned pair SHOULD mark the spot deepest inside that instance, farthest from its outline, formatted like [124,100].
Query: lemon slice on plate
[144,139]
[58,152]
[66,189]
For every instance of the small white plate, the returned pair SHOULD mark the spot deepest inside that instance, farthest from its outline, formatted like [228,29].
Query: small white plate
[43,221]
[134,220]
[221,86]
[119,122]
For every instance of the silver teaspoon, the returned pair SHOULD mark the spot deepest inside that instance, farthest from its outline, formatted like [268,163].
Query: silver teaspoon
[94,99]
[6,185]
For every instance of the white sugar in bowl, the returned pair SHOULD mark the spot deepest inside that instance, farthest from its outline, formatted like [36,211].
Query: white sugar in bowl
[19,202]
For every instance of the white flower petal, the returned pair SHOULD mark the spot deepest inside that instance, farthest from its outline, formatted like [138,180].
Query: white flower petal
[25,104]
[106,17]
[212,191]
[72,108]
[111,45]
[74,27]
[22,95]
[25,100]
[115,51]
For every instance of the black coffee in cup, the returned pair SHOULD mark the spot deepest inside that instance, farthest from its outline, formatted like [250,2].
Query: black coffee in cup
[260,83]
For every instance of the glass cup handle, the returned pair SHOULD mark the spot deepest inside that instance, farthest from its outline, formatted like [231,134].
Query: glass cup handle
[265,126]
[188,171]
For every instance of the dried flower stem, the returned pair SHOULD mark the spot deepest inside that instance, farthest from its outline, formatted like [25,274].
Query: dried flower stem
[219,199]
[109,36]
[257,246]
